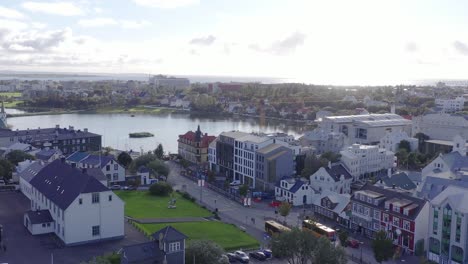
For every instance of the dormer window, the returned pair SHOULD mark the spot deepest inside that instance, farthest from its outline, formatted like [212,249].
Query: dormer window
[387,205]
[174,246]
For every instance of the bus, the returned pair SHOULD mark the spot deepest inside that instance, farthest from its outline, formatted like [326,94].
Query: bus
[318,229]
[273,227]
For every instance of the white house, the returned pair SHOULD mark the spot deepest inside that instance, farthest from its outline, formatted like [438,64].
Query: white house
[363,160]
[441,126]
[450,105]
[26,174]
[333,206]
[323,140]
[334,178]
[392,139]
[453,165]
[295,191]
[74,205]
[144,175]
[448,226]
[114,172]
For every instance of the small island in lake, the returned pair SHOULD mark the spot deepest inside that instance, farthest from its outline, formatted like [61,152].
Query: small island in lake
[141,135]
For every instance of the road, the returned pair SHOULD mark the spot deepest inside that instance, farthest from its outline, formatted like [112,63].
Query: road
[253,218]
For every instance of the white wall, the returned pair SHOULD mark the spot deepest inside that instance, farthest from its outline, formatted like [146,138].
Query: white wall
[328,183]
[421,226]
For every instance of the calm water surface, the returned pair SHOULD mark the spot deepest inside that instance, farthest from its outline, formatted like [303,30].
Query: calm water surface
[115,127]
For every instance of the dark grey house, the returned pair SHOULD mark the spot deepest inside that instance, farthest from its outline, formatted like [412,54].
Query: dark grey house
[272,163]
[168,247]
[225,152]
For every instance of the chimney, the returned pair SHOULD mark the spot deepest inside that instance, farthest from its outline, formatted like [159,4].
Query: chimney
[57,126]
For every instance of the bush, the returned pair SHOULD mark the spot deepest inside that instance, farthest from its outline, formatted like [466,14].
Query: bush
[160,189]
[187,196]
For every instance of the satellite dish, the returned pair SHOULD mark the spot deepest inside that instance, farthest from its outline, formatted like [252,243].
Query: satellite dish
[398,232]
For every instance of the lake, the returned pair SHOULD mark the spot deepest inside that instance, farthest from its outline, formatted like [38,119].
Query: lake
[166,127]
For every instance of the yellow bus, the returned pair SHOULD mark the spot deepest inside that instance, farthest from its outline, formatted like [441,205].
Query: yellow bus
[318,229]
[273,227]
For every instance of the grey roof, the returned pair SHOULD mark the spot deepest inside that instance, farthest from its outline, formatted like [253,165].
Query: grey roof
[432,186]
[46,134]
[61,183]
[400,180]
[234,134]
[46,154]
[96,173]
[456,196]
[142,253]
[169,234]
[455,160]
[31,171]
[269,148]
[337,170]
[39,217]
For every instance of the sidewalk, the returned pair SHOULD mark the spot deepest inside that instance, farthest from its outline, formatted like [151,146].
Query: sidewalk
[170,220]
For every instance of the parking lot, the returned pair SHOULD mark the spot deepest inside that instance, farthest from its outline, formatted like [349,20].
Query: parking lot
[22,247]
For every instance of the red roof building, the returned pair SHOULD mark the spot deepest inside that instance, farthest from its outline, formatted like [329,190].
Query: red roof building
[193,146]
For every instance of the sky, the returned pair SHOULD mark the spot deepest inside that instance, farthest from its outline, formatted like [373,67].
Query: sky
[323,42]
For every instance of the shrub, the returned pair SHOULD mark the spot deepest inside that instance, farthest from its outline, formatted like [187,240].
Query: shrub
[160,189]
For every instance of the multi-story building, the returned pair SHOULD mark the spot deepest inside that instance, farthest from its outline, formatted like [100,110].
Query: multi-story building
[365,129]
[448,226]
[244,156]
[323,140]
[295,191]
[73,205]
[450,105]
[66,140]
[169,82]
[451,166]
[193,146]
[441,126]
[272,163]
[114,172]
[334,206]
[391,141]
[334,178]
[212,155]
[225,152]
[403,217]
[365,160]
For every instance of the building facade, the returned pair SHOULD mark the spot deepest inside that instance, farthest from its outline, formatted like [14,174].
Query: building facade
[403,217]
[334,206]
[391,141]
[450,105]
[334,178]
[448,226]
[441,126]
[81,209]
[272,163]
[114,172]
[193,146]
[364,160]
[294,191]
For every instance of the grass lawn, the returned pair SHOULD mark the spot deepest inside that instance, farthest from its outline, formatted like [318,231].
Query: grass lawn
[10,94]
[12,104]
[227,236]
[140,204]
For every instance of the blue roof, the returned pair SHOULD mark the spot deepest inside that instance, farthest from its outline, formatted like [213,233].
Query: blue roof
[61,183]
[143,169]
[169,234]
[432,186]
[46,154]
[296,186]
[455,160]
[95,160]
[400,180]
[77,156]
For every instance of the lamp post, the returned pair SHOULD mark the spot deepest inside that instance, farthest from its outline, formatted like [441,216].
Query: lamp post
[361,245]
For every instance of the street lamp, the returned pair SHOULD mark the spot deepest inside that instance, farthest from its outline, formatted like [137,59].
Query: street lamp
[361,246]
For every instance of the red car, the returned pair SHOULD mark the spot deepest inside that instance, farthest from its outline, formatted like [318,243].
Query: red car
[275,203]
[353,243]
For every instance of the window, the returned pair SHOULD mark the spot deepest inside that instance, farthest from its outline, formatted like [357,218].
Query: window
[377,215]
[396,208]
[385,218]
[116,166]
[80,201]
[175,246]
[96,231]
[108,168]
[43,225]
[95,198]
[115,177]
[110,198]
[406,225]
[376,226]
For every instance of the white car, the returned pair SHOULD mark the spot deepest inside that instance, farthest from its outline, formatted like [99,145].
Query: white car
[235,183]
[241,256]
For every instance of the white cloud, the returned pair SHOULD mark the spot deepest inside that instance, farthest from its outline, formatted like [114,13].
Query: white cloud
[131,24]
[97,22]
[12,25]
[166,3]
[54,8]
[10,13]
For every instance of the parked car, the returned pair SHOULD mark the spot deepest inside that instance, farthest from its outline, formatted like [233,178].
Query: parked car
[353,243]
[235,183]
[2,182]
[267,253]
[258,255]
[129,188]
[232,257]
[115,187]
[241,256]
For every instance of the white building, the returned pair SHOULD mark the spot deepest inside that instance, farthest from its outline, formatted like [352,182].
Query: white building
[323,140]
[212,155]
[450,105]
[365,129]
[114,172]
[364,160]
[73,205]
[452,166]
[448,226]
[169,82]
[321,114]
[27,174]
[297,192]
[441,126]
[244,156]
[391,141]
[369,102]
[334,178]
[333,206]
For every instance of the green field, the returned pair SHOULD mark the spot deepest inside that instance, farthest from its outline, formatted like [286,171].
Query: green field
[140,204]
[227,236]
[10,94]
[12,104]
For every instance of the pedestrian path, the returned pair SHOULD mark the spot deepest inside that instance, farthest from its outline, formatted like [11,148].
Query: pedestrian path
[171,220]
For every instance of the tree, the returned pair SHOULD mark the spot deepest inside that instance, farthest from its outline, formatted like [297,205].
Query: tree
[331,156]
[326,253]
[382,247]
[295,246]
[343,236]
[284,209]
[6,169]
[421,139]
[243,190]
[159,151]
[124,159]
[404,144]
[17,156]
[158,167]
[402,157]
[143,160]
[204,252]
[311,165]
[160,189]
